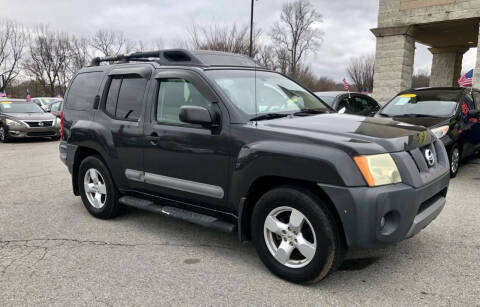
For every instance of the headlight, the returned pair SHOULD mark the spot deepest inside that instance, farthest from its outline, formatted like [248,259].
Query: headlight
[378,169]
[13,123]
[440,131]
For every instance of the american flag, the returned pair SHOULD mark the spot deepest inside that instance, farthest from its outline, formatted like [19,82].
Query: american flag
[345,85]
[28,95]
[365,91]
[466,79]
[3,94]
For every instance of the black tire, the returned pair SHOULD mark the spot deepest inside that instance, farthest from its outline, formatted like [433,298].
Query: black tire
[111,208]
[330,245]
[454,168]
[55,138]
[3,135]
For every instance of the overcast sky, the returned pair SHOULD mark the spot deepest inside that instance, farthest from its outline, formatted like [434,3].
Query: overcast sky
[346,24]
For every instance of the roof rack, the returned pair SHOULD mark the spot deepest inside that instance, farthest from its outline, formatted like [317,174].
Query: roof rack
[179,57]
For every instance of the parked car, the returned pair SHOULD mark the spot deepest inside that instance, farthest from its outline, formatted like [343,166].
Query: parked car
[451,113]
[22,119]
[353,103]
[56,108]
[45,102]
[212,139]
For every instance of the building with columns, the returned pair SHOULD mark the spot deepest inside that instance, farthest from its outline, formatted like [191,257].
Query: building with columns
[448,27]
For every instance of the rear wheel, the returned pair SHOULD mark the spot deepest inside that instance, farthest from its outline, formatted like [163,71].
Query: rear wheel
[98,192]
[295,235]
[3,135]
[454,158]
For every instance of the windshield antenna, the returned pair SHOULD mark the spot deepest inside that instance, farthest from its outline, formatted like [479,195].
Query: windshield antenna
[256,106]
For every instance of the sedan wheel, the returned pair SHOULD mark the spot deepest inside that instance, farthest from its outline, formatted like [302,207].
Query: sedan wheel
[454,161]
[2,135]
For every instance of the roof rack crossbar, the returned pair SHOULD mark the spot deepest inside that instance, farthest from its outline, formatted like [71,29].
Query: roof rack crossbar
[168,56]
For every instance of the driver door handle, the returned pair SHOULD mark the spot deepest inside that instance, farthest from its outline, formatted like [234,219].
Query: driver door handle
[154,138]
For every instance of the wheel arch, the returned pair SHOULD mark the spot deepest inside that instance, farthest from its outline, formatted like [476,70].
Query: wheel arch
[81,154]
[266,183]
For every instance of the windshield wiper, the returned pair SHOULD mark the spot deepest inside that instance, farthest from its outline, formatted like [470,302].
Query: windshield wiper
[414,115]
[269,116]
[303,112]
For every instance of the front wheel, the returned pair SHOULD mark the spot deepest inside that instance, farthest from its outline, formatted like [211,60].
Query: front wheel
[3,135]
[454,158]
[98,192]
[295,235]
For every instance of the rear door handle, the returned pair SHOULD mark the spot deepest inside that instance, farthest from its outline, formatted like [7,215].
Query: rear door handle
[154,138]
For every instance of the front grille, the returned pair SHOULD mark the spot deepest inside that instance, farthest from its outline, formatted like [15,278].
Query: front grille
[37,124]
[424,157]
[41,133]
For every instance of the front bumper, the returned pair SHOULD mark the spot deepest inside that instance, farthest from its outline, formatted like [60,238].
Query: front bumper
[372,217]
[30,132]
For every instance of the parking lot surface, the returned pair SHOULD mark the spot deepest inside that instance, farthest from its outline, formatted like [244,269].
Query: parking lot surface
[52,252]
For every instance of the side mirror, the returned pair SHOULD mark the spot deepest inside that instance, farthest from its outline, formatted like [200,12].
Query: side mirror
[195,115]
[474,113]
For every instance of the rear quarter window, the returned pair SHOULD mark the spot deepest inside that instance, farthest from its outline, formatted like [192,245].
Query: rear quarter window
[83,90]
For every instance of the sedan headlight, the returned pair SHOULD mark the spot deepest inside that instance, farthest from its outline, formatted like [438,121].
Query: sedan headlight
[13,123]
[440,131]
[378,169]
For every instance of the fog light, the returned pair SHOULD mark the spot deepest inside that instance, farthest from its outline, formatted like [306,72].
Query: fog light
[382,223]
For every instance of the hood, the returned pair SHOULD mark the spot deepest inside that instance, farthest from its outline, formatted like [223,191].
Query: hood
[365,135]
[428,122]
[30,116]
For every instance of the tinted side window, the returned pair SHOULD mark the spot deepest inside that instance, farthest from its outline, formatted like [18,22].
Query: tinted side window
[130,98]
[112,96]
[467,105]
[476,97]
[82,91]
[174,93]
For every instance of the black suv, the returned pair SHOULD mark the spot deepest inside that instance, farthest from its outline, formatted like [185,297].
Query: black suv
[213,139]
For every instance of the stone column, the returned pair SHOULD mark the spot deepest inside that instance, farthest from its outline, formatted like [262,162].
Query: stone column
[446,65]
[476,71]
[393,62]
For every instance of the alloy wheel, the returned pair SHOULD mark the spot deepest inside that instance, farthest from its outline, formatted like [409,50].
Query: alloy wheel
[95,188]
[455,160]
[290,237]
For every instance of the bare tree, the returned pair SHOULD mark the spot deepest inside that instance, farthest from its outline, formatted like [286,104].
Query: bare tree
[12,45]
[48,60]
[266,57]
[296,32]
[110,43]
[360,70]
[79,55]
[421,79]
[222,38]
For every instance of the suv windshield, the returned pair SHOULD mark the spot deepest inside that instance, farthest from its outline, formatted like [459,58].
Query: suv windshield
[265,92]
[19,107]
[427,103]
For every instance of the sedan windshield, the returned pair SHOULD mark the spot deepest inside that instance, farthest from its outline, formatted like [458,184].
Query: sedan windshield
[424,103]
[49,101]
[261,92]
[19,107]
[328,99]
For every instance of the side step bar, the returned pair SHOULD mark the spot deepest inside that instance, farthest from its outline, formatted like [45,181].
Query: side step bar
[181,214]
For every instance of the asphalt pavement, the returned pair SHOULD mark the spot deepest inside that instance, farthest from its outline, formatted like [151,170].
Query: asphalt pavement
[52,252]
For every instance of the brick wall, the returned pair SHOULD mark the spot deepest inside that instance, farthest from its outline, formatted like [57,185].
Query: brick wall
[403,12]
